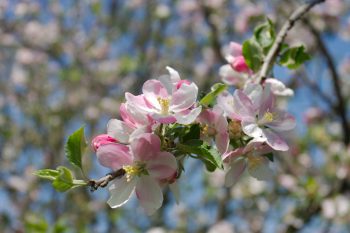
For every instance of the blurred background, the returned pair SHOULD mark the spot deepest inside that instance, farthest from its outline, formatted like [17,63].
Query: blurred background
[68,63]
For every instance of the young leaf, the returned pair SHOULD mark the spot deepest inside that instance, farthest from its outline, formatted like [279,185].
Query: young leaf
[64,181]
[265,35]
[216,89]
[253,54]
[204,152]
[294,57]
[193,132]
[49,174]
[75,147]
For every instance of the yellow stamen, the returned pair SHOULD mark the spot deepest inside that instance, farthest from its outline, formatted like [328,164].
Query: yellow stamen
[133,170]
[207,130]
[164,104]
[235,129]
[268,116]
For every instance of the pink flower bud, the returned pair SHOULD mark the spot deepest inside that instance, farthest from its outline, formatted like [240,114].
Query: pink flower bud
[239,64]
[101,140]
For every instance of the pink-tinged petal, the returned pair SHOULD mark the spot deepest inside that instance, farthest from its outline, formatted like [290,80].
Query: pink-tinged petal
[206,117]
[221,123]
[258,167]
[239,65]
[235,49]
[179,83]
[231,77]
[188,116]
[243,106]
[251,129]
[145,147]
[101,140]
[222,141]
[235,172]
[114,156]
[278,88]
[174,75]
[275,141]
[125,115]
[120,191]
[139,131]
[254,144]
[154,89]
[184,98]
[163,166]
[232,155]
[164,119]
[225,102]
[149,194]
[267,102]
[139,102]
[254,92]
[138,116]
[282,121]
[119,130]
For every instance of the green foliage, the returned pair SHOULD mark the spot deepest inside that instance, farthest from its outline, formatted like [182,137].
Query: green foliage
[265,35]
[201,150]
[294,57]
[62,178]
[253,54]
[216,89]
[35,224]
[75,147]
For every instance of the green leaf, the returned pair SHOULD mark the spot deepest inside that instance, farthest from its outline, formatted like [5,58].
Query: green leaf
[65,181]
[193,132]
[49,174]
[253,54]
[265,35]
[35,223]
[75,147]
[204,152]
[294,57]
[216,89]
[270,156]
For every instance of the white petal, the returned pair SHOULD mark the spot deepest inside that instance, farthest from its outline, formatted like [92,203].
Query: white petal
[236,170]
[149,194]
[278,88]
[258,167]
[251,129]
[119,130]
[174,75]
[188,117]
[120,191]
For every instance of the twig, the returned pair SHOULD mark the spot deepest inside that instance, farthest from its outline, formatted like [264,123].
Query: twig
[340,107]
[103,182]
[273,52]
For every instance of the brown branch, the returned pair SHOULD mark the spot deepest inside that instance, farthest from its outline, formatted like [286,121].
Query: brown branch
[103,182]
[340,107]
[273,52]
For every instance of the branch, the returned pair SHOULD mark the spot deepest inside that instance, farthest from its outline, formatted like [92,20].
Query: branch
[340,107]
[103,182]
[273,52]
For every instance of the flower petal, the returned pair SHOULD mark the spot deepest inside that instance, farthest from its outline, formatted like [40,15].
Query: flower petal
[243,106]
[163,166]
[278,88]
[149,194]
[119,130]
[188,116]
[184,97]
[114,155]
[139,102]
[222,141]
[267,102]
[154,89]
[225,102]
[251,129]
[174,75]
[283,121]
[236,170]
[258,167]
[145,147]
[165,119]
[120,191]
[232,77]
[275,141]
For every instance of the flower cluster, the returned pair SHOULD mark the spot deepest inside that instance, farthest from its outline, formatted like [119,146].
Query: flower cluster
[166,124]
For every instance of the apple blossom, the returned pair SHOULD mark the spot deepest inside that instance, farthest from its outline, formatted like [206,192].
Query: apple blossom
[146,168]
[168,100]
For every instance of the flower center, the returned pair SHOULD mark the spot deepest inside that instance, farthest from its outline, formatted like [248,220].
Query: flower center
[134,170]
[164,105]
[234,129]
[207,130]
[268,116]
